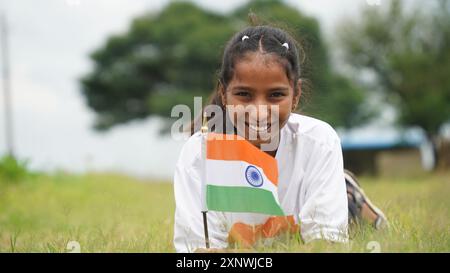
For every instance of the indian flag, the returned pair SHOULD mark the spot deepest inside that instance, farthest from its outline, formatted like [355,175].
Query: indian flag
[239,177]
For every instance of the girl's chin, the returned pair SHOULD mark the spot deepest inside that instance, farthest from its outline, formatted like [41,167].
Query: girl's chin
[257,142]
[260,139]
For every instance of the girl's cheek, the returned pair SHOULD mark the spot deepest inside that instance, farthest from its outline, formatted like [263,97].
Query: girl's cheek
[284,113]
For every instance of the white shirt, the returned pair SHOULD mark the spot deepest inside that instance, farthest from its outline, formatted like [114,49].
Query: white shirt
[311,187]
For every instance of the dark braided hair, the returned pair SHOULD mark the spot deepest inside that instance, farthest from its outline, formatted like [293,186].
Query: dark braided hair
[266,39]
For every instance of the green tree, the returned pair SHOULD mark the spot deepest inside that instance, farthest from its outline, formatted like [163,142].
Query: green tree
[408,54]
[167,58]
[164,59]
[327,94]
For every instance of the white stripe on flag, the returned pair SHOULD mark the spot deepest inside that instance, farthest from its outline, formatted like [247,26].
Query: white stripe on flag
[232,173]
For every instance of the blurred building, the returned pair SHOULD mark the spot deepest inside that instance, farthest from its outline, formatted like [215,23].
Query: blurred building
[374,151]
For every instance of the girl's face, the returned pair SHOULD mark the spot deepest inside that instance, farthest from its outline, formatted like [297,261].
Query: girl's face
[260,80]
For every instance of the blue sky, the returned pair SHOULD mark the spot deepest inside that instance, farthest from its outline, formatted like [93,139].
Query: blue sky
[50,41]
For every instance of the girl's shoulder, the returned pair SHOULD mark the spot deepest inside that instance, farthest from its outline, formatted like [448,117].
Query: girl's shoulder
[312,130]
[191,151]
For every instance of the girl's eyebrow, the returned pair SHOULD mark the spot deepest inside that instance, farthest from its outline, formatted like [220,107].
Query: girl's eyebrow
[273,88]
[243,87]
[281,88]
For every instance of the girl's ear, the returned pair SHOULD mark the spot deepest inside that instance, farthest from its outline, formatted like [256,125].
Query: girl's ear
[221,91]
[297,94]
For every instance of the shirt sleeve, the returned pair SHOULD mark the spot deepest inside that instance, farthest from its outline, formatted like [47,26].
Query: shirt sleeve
[324,212]
[188,229]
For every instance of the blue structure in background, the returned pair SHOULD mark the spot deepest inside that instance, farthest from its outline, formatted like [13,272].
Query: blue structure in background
[383,141]
[362,145]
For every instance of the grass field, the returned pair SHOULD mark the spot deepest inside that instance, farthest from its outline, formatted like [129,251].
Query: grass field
[113,213]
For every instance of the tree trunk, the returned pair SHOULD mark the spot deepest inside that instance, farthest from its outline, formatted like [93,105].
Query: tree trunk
[443,153]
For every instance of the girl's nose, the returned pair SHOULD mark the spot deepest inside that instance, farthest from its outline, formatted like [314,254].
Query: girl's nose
[261,114]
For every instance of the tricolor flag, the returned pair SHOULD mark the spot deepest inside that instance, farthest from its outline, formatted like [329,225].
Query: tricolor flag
[239,177]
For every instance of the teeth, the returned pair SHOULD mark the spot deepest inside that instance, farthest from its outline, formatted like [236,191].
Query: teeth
[258,128]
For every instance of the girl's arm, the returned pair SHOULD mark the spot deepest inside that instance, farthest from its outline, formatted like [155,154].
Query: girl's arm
[324,208]
[188,230]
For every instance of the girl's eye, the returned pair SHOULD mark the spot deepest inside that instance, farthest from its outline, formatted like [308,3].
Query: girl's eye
[242,93]
[276,94]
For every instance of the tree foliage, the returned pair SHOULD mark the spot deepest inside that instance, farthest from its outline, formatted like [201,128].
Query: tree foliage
[166,58]
[408,53]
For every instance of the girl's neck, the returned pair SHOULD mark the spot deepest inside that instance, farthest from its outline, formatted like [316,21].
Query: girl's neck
[272,153]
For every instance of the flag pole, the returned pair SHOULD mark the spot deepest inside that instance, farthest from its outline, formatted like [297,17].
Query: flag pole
[204,131]
[205,225]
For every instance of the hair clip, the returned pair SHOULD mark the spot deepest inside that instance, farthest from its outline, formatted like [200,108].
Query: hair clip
[286,45]
[245,37]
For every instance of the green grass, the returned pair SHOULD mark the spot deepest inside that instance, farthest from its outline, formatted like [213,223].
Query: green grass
[113,213]
[104,213]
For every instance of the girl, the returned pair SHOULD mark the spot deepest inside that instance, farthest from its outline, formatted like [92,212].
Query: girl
[260,67]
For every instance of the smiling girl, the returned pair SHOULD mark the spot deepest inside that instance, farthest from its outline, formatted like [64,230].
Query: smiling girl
[260,67]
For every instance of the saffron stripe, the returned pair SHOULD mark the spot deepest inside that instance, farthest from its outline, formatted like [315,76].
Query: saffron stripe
[239,149]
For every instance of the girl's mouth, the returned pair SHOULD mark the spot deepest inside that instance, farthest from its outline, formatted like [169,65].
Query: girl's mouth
[259,129]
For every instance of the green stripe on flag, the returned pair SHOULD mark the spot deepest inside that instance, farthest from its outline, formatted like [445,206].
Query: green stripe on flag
[241,199]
